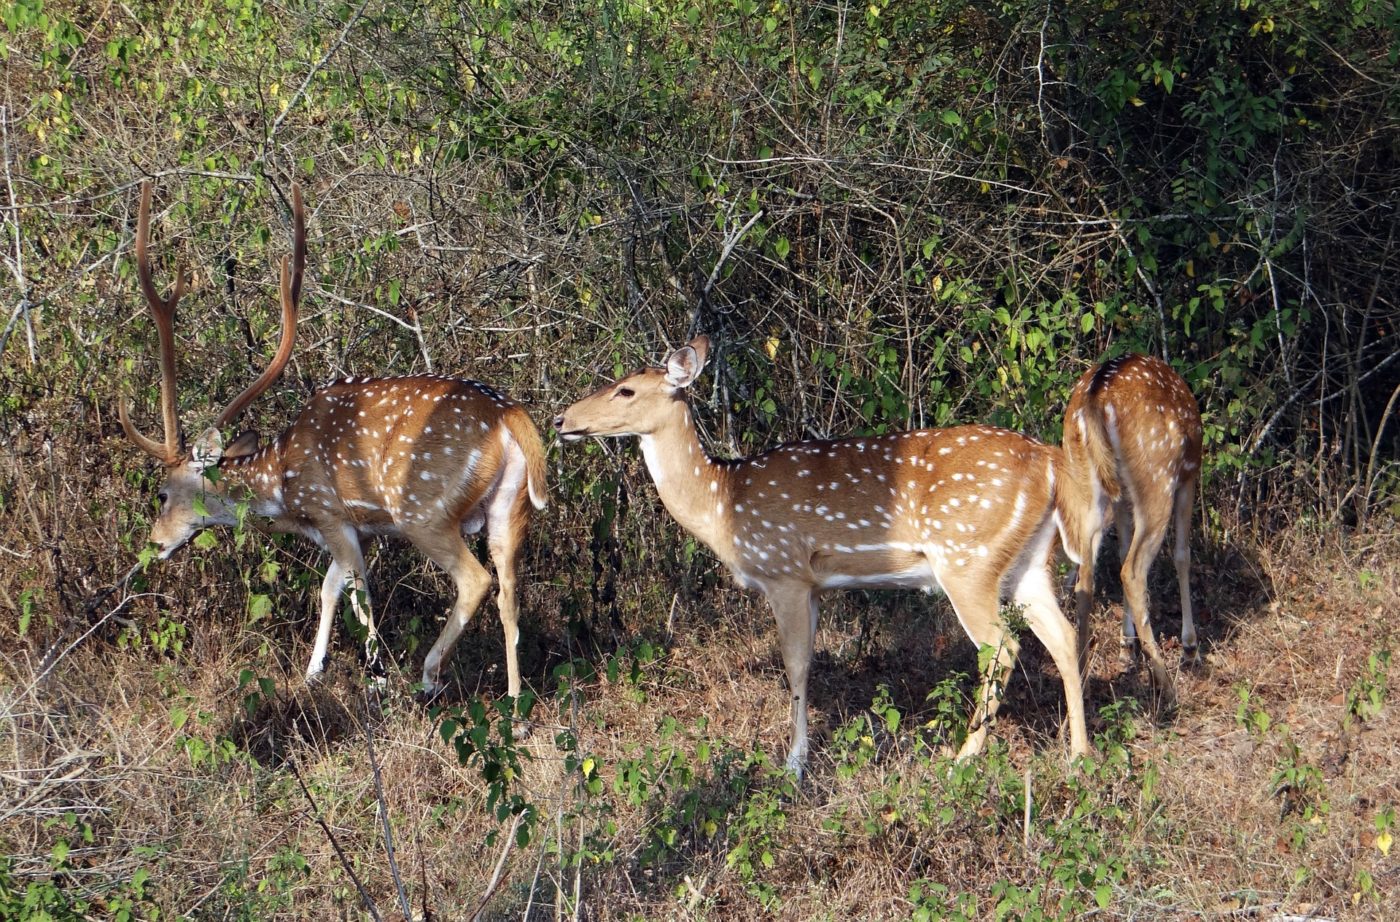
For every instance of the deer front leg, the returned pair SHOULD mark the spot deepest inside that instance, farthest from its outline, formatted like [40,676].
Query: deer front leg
[347,566]
[796,612]
[331,586]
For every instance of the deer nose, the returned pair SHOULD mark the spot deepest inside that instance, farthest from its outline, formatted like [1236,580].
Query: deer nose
[559,422]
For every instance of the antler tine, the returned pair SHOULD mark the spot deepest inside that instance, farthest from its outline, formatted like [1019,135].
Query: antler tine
[163,310]
[291,296]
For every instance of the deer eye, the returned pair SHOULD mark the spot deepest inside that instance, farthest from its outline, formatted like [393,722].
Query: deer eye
[626,392]
[163,496]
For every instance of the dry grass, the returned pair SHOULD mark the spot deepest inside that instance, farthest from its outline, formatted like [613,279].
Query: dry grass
[97,753]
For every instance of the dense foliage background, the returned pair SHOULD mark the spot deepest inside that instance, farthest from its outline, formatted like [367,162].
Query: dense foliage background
[885,214]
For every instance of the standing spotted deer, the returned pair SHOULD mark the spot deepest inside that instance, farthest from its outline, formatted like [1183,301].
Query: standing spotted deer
[1132,450]
[425,457]
[969,510]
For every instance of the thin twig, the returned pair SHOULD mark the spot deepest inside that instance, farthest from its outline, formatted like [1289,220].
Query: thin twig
[730,242]
[495,880]
[335,844]
[335,46]
[1369,483]
[52,659]
[17,263]
[404,904]
[1026,819]
[372,309]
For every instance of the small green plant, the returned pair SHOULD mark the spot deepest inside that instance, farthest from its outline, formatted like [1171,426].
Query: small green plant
[1250,715]
[853,744]
[1367,694]
[485,736]
[1299,786]
[1385,822]
[166,637]
[948,725]
[755,832]
[26,609]
[935,902]
[255,690]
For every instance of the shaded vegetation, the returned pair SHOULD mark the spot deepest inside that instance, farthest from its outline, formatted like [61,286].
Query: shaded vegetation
[885,214]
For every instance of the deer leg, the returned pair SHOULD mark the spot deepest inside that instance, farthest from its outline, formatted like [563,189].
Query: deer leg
[1185,496]
[1091,538]
[445,548]
[331,586]
[795,609]
[1146,541]
[347,566]
[507,534]
[975,602]
[1032,590]
[1129,652]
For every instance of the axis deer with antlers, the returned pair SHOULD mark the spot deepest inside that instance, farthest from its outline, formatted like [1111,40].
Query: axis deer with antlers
[1132,450]
[969,510]
[428,458]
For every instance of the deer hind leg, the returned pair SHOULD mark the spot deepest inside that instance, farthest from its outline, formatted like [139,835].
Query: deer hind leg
[445,548]
[1129,652]
[1145,540]
[795,609]
[347,567]
[509,519]
[1032,590]
[1185,497]
[1090,539]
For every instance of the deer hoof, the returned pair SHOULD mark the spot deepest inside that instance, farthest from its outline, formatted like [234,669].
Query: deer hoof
[1129,654]
[1191,657]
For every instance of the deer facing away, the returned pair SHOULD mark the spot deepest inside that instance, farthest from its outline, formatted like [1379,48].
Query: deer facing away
[969,510]
[1132,448]
[428,458]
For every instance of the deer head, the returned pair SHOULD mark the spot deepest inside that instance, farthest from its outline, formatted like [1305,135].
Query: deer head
[193,496]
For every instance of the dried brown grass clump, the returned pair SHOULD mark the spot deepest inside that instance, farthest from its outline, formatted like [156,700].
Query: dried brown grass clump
[150,761]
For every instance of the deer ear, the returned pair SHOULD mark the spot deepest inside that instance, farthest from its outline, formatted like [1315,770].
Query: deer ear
[245,444]
[686,363]
[207,449]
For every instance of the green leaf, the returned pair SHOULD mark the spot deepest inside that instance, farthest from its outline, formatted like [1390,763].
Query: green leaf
[782,247]
[1086,322]
[26,610]
[259,607]
[205,541]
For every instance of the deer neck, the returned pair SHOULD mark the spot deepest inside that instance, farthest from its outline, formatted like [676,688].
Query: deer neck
[694,488]
[257,478]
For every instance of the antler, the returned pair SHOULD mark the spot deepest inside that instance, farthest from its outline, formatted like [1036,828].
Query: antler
[291,295]
[163,309]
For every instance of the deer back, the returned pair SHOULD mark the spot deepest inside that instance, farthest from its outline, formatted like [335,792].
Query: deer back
[382,453]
